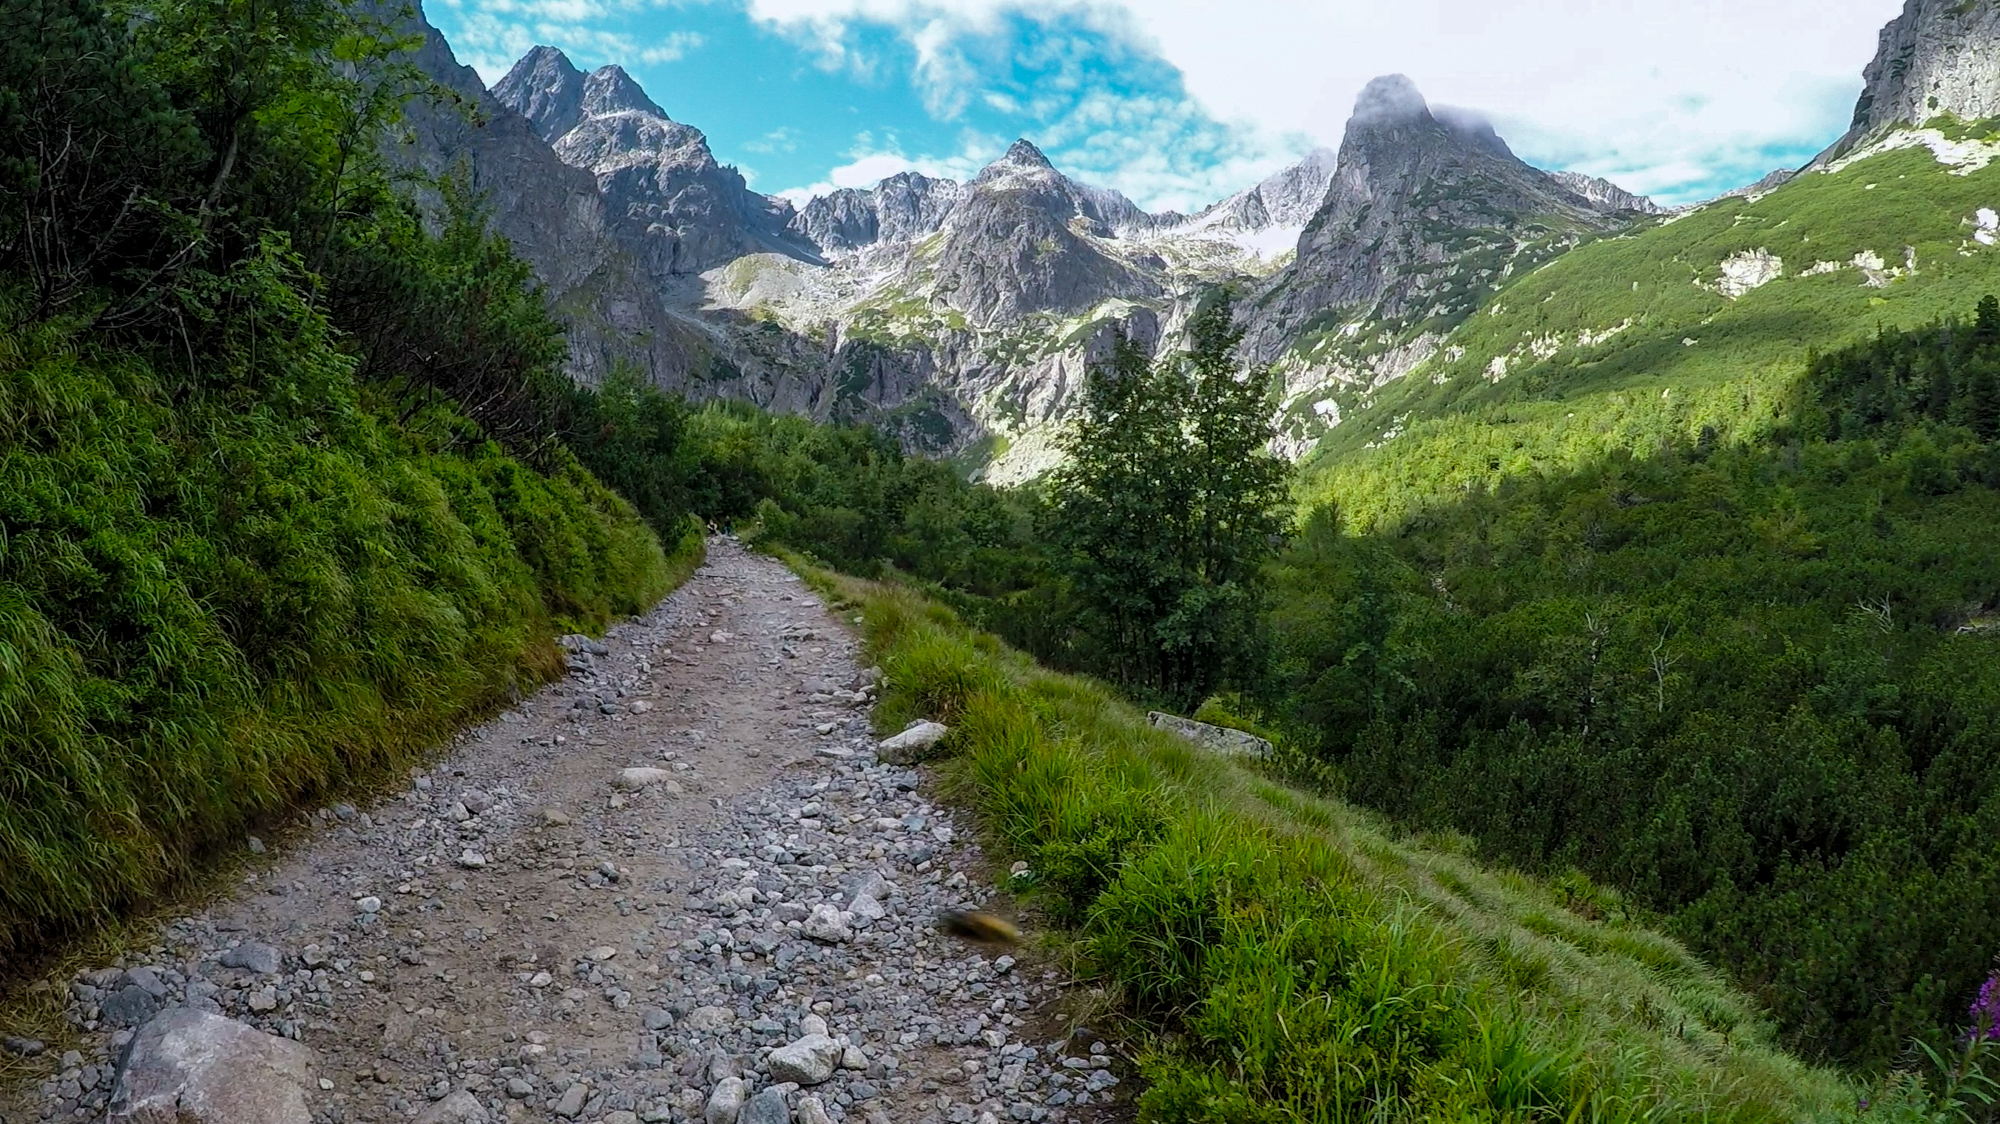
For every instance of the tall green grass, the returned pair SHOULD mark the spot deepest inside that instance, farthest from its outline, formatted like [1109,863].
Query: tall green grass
[1298,961]
[221,594]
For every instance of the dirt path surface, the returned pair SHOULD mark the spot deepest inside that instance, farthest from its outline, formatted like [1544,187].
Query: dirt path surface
[676,886]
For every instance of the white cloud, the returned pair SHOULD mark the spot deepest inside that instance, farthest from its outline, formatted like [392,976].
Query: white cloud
[1659,94]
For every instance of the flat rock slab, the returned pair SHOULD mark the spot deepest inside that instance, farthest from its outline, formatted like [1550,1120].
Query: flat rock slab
[193,1067]
[1216,739]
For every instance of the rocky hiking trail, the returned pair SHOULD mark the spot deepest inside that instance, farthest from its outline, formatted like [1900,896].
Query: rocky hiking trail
[676,886]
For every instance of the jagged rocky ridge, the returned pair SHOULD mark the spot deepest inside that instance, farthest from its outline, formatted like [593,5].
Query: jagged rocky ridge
[962,316]
[1938,57]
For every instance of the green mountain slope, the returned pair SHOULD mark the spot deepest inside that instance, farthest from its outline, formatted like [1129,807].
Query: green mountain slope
[1634,341]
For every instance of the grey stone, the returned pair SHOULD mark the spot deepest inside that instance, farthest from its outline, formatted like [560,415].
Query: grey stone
[725,1102]
[457,1108]
[254,957]
[570,1105]
[1216,739]
[811,1110]
[918,743]
[129,1006]
[826,924]
[810,1060]
[477,801]
[192,1067]
[767,1107]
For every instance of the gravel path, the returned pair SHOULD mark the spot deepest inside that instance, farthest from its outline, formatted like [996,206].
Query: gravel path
[676,886]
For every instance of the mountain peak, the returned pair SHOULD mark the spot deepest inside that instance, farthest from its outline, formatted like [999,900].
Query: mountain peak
[544,59]
[610,90]
[1023,153]
[1389,100]
[546,88]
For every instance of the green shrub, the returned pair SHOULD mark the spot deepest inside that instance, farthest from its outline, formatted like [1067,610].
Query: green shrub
[215,605]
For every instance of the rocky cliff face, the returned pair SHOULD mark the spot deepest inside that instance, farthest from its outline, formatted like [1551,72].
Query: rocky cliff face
[1938,57]
[1025,238]
[1423,210]
[1427,212]
[555,218]
[681,209]
[903,207]
[1603,195]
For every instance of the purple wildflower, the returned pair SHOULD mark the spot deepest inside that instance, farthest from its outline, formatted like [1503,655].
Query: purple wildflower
[1986,1009]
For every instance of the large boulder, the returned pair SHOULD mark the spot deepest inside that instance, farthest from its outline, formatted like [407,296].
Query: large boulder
[192,1067]
[1215,739]
[915,744]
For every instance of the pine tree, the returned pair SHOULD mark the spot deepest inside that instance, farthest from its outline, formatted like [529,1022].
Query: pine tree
[1169,508]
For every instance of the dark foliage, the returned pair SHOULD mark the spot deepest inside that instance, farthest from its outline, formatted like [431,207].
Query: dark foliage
[1756,686]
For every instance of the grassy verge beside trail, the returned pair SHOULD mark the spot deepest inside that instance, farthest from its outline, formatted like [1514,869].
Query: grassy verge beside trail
[1290,958]
[219,599]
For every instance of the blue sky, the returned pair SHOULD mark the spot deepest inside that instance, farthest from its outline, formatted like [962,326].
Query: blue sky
[1180,102]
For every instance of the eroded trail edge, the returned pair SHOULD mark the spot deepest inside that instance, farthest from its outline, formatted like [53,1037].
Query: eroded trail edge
[676,886]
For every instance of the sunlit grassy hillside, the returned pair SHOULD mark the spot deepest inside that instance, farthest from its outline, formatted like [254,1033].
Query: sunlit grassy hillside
[1636,340]
[1296,959]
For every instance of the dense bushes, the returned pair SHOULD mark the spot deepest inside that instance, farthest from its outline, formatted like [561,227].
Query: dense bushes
[252,546]
[215,602]
[1756,686]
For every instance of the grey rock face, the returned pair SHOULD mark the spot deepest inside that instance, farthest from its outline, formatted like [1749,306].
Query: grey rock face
[1020,242]
[1423,208]
[1938,57]
[1603,195]
[905,206]
[681,209]
[192,1067]
[1288,198]
[550,212]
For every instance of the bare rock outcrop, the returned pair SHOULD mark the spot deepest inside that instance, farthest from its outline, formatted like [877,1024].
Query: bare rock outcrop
[1938,57]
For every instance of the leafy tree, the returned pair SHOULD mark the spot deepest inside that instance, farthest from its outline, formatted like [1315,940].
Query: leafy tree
[1168,510]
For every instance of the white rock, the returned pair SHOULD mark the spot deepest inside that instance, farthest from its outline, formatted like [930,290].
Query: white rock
[640,776]
[867,908]
[726,1101]
[912,744]
[640,706]
[809,1061]
[826,923]
[369,904]
[811,1110]
[471,859]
